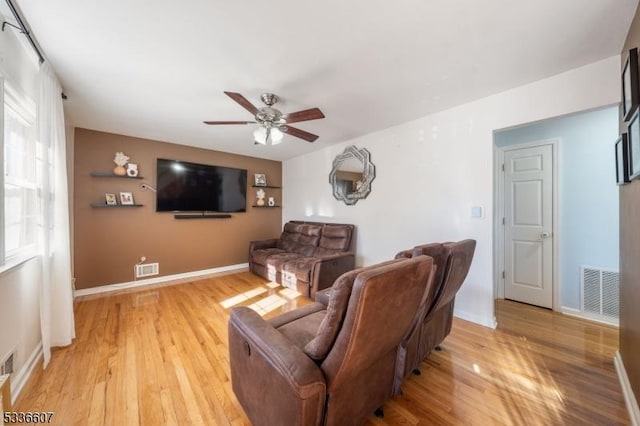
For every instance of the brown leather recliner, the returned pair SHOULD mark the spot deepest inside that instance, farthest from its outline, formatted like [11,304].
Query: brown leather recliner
[452,262]
[328,364]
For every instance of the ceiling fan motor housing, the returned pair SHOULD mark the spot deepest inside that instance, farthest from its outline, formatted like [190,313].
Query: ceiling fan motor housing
[268,116]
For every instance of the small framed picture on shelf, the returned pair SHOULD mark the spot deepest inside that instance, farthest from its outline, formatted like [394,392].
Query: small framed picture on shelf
[111,199]
[260,179]
[622,160]
[126,198]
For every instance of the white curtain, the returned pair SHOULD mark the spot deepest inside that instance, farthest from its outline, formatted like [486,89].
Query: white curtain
[56,295]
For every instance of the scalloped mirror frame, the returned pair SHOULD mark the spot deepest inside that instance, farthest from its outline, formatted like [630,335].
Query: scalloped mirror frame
[368,174]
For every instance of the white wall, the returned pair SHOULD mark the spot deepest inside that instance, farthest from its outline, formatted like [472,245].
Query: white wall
[431,171]
[588,193]
[20,318]
[19,286]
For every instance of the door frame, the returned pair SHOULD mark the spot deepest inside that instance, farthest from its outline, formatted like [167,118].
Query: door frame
[498,228]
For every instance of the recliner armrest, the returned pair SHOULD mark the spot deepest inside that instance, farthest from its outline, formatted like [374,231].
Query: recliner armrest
[323,296]
[325,270]
[296,314]
[274,380]
[262,244]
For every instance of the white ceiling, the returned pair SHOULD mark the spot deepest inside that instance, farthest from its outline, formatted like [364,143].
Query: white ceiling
[157,69]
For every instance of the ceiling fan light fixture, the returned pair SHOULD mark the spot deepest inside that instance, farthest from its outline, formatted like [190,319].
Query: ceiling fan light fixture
[260,135]
[267,135]
[276,136]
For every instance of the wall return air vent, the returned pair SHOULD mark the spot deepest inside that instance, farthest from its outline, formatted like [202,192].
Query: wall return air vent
[600,293]
[147,269]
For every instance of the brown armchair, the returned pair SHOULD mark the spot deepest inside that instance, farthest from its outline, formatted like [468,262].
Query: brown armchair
[452,262]
[326,364]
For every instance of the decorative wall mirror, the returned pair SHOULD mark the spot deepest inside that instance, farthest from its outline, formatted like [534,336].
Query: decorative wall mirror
[352,175]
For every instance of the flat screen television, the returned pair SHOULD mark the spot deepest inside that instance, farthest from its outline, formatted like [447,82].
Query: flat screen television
[191,187]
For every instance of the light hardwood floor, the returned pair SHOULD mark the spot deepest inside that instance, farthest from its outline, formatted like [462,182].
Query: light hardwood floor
[159,356]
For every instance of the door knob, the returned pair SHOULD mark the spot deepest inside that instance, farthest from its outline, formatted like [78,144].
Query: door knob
[545,234]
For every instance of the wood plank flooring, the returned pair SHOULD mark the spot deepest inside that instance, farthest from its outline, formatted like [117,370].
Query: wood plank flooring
[159,357]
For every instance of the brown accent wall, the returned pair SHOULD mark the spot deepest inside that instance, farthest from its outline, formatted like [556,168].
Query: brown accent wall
[630,254]
[108,242]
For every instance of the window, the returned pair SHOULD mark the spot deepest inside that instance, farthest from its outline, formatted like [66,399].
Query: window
[19,215]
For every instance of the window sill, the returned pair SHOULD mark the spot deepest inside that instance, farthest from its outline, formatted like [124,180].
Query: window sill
[16,262]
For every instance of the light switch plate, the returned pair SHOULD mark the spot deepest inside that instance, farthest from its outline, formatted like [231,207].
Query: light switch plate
[477,212]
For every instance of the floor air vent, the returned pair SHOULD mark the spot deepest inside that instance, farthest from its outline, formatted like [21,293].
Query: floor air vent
[600,293]
[147,269]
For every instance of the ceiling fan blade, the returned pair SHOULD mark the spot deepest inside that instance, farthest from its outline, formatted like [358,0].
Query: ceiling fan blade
[309,137]
[228,122]
[244,103]
[305,115]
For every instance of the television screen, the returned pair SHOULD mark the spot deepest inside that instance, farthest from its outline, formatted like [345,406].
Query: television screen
[183,186]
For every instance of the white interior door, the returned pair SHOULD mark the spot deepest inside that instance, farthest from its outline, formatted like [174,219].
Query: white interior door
[528,225]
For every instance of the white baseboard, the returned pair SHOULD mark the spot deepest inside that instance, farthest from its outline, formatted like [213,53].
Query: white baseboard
[22,376]
[159,280]
[570,311]
[582,315]
[627,392]
[484,321]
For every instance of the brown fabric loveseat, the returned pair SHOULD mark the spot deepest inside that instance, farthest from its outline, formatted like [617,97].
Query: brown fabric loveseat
[307,257]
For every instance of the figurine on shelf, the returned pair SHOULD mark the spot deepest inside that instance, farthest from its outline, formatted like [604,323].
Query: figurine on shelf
[120,160]
[271,202]
[132,170]
[260,195]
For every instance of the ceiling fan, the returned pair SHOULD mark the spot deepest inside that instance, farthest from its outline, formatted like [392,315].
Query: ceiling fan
[273,123]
